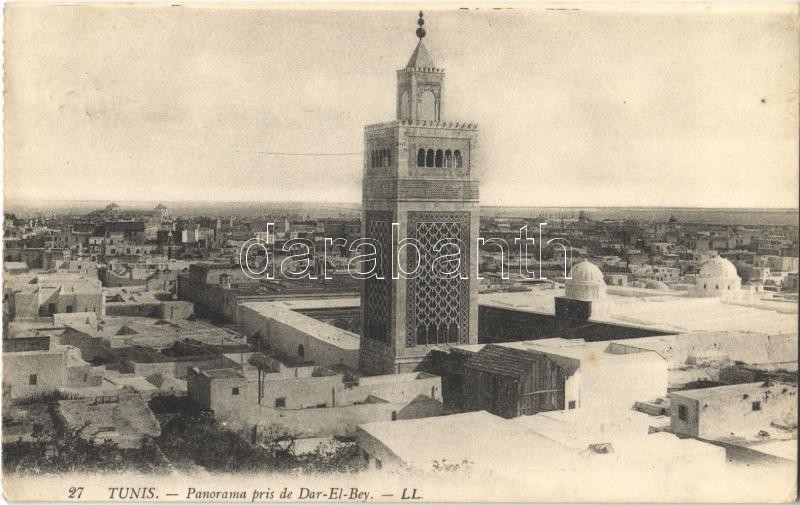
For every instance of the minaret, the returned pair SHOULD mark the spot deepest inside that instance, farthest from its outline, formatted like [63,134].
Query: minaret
[420,172]
[419,85]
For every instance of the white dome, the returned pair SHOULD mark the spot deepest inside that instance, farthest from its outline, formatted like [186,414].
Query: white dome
[718,268]
[585,283]
[717,277]
[653,284]
[586,272]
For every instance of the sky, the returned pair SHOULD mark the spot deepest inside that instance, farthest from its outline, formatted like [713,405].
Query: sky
[681,106]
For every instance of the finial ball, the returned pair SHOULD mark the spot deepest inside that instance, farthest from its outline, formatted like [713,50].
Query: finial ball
[420,21]
[420,32]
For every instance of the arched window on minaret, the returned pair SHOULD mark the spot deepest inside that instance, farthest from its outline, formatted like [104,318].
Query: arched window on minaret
[422,334]
[457,158]
[429,158]
[439,158]
[452,334]
[388,157]
[427,106]
[421,158]
[448,159]
[405,111]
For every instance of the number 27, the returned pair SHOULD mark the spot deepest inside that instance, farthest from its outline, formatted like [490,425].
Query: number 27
[75,492]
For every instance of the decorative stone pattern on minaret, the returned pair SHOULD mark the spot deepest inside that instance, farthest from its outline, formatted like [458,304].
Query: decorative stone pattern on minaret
[420,171]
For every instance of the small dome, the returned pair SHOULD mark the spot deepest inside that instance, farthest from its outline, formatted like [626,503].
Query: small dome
[717,278]
[718,268]
[585,283]
[653,284]
[586,272]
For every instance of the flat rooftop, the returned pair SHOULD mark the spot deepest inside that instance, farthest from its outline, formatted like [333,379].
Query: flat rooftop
[752,348]
[222,373]
[498,443]
[116,327]
[286,312]
[334,302]
[580,350]
[672,312]
[726,391]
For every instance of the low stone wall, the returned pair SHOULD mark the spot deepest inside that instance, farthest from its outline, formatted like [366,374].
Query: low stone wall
[339,421]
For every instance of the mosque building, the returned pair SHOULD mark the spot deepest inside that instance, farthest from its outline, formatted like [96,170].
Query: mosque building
[420,181]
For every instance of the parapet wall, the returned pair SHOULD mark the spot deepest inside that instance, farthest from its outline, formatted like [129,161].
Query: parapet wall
[339,421]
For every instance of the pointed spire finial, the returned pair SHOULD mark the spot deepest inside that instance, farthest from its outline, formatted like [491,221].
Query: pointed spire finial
[420,30]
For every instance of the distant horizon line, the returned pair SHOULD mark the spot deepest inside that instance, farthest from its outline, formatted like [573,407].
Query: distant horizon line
[8,202]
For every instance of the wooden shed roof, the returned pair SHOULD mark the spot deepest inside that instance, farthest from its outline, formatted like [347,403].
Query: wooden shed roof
[503,361]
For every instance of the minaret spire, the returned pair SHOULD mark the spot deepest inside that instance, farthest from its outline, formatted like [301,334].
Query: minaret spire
[420,30]
[420,57]
[419,84]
